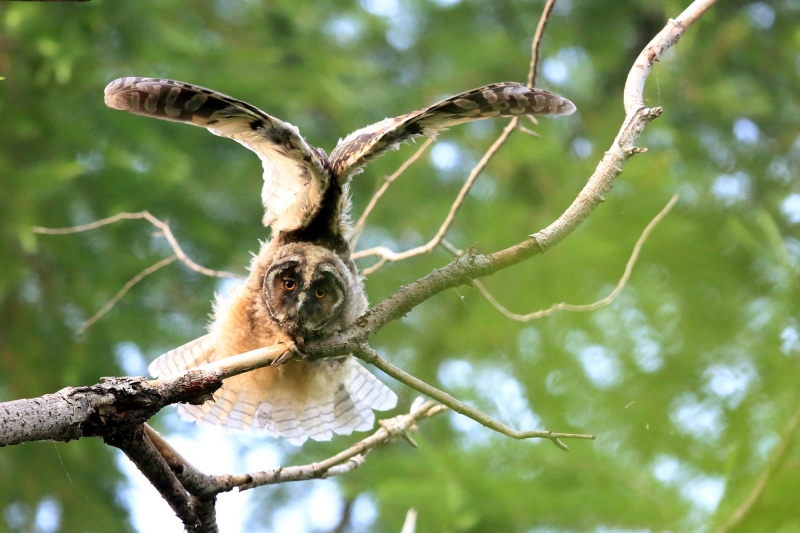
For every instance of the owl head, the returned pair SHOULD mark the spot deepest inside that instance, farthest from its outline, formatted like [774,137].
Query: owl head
[309,291]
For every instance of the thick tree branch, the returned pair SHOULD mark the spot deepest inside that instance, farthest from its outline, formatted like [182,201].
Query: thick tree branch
[141,451]
[114,406]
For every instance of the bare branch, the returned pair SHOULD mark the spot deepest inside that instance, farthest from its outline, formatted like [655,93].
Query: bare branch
[370,356]
[386,254]
[137,446]
[666,38]
[410,523]
[774,464]
[206,486]
[359,227]
[526,131]
[163,226]
[624,146]
[537,40]
[572,307]
[238,364]
[101,410]
[390,429]
[125,288]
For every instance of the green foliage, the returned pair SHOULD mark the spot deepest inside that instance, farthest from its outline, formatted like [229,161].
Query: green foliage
[688,379]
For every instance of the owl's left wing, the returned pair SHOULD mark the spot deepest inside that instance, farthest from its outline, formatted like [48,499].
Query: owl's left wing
[506,99]
[295,179]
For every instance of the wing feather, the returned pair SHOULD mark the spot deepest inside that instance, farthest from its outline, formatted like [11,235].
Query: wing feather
[506,99]
[295,177]
[190,355]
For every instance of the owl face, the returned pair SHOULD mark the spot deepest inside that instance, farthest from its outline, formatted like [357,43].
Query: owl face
[304,296]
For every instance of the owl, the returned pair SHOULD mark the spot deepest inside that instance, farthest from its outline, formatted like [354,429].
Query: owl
[303,285]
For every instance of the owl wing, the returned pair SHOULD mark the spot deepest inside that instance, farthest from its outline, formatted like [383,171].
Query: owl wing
[227,408]
[506,99]
[295,178]
[182,358]
[341,400]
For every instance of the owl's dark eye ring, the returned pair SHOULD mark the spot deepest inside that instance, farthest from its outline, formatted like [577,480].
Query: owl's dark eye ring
[289,284]
[320,293]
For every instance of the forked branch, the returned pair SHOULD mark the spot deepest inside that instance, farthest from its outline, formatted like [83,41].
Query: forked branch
[573,307]
[166,232]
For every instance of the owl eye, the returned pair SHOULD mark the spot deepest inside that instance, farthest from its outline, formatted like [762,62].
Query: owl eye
[289,284]
[320,293]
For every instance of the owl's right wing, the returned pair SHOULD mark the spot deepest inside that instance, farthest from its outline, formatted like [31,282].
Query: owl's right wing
[295,179]
[505,99]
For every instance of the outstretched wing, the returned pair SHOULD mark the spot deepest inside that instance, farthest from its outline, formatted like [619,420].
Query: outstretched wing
[182,358]
[506,99]
[295,178]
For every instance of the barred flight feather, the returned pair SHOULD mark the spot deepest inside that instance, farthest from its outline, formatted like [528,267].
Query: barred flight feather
[295,177]
[340,405]
[506,99]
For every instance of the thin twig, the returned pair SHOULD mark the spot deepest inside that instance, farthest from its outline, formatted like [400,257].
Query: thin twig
[386,254]
[537,41]
[205,486]
[163,226]
[526,131]
[773,465]
[410,523]
[125,288]
[359,227]
[367,354]
[390,429]
[572,307]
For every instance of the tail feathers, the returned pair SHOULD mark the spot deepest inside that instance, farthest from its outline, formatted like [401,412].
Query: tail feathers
[190,355]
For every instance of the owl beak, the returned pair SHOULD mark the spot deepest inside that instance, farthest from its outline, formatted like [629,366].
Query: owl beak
[301,299]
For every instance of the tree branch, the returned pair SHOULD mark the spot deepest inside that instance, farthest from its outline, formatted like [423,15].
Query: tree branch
[359,227]
[203,488]
[124,290]
[141,451]
[385,254]
[572,307]
[163,226]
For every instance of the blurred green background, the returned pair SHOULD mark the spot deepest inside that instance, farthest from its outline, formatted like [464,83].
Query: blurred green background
[689,379]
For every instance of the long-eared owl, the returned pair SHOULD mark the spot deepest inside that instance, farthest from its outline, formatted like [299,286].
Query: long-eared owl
[303,284]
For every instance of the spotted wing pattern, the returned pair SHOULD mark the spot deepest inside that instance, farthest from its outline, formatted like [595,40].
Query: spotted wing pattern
[295,178]
[506,99]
